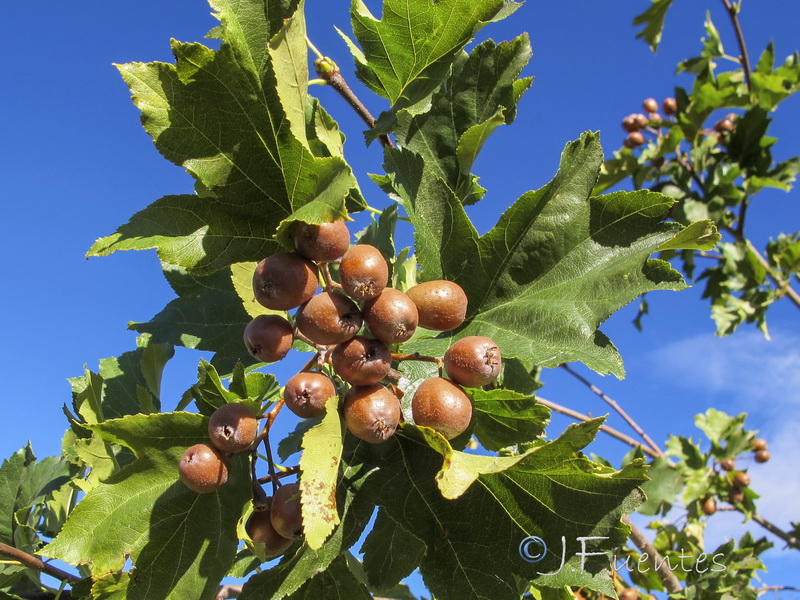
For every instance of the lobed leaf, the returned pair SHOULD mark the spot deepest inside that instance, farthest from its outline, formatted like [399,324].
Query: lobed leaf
[181,543]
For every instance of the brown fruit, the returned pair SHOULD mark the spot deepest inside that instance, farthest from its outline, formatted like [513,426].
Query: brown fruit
[268,338]
[203,468]
[709,506]
[641,120]
[443,406]
[306,393]
[669,106]
[329,318]
[232,427]
[260,529]
[323,243]
[629,594]
[392,316]
[441,304]
[650,105]
[741,479]
[634,140]
[724,125]
[762,456]
[363,272]
[371,413]
[630,124]
[284,281]
[736,496]
[727,464]
[473,361]
[286,512]
[759,444]
[362,361]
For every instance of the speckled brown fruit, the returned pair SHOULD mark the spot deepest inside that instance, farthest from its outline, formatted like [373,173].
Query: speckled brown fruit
[323,243]
[371,413]
[634,140]
[727,464]
[443,406]
[203,468]
[741,479]
[629,594]
[669,106]
[363,272]
[286,512]
[473,361]
[362,361]
[650,105]
[762,456]
[232,428]
[391,317]
[260,529]
[630,123]
[736,496]
[759,444]
[268,338]
[442,304]
[724,125]
[306,393]
[284,281]
[709,506]
[329,318]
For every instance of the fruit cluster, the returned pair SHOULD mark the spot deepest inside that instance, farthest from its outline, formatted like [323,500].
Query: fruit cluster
[353,324]
[637,124]
[333,321]
[736,480]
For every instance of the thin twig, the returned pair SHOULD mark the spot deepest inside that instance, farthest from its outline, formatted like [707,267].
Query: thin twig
[671,583]
[733,13]
[613,404]
[777,588]
[329,71]
[286,473]
[604,428]
[34,562]
[790,540]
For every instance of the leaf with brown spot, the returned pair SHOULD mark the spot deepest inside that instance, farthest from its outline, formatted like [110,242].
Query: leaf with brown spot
[319,466]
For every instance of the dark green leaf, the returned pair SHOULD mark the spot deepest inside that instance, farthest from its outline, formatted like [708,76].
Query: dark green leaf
[505,418]
[653,21]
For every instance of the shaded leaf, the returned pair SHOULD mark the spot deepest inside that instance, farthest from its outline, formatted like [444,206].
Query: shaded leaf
[180,542]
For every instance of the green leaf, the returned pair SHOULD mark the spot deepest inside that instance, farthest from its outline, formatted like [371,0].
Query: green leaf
[337,582]
[479,94]
[319,465]
[207,315]
[180,542]
[717,425]
[548,490]
[128,384]
[405,55]
[234,118]
[700,235]
[662,491]
[505,418]
[653,21]
[391,552]
[557,264]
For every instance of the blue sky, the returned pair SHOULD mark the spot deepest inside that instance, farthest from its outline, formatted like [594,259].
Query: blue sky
[77,164]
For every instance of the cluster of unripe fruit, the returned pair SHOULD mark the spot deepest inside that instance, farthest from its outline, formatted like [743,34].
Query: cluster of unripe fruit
[738,480]
[332,321]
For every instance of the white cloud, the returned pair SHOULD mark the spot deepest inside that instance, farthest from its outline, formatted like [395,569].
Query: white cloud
[746,373]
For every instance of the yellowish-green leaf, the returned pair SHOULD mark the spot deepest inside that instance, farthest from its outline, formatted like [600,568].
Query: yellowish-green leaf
[319,464]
